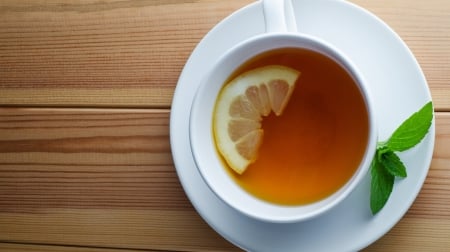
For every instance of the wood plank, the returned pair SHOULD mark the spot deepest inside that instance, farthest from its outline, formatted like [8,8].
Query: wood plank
[86,159]
[88,177]
[130,53]
[181,230]
[17,247]
[100,53]
[60,185]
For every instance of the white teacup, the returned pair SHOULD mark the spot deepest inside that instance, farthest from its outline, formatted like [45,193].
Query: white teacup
[209,163]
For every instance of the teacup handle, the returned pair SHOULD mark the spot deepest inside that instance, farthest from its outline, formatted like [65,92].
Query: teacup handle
[279,16]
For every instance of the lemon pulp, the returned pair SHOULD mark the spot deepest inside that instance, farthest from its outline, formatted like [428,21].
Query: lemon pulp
[240,107]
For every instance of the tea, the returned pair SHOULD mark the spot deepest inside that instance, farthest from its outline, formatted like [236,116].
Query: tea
[316,145]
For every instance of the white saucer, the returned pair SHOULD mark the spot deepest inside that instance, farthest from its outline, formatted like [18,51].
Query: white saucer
[399,88]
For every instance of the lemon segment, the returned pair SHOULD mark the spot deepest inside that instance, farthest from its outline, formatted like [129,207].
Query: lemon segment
[240,107]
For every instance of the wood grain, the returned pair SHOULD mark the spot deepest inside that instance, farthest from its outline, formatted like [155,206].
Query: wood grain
[149,229]
[86,158]
[97,53]
[130,53]
[90,177]
[60,185]
[17,247]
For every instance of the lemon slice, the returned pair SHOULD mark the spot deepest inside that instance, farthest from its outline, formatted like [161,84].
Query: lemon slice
[240,107]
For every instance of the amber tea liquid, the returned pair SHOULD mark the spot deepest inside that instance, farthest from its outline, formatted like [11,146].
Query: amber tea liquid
[316,145]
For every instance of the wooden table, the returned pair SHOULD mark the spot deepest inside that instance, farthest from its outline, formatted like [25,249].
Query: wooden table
[85,94]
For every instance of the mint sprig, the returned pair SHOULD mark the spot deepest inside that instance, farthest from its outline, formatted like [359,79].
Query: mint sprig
[386,165]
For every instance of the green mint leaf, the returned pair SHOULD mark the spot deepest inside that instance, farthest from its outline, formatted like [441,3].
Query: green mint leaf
[392,163]
[381,186]
[412,130]
[386,165]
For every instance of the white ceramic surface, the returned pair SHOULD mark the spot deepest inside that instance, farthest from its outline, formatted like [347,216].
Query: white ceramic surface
[399,89]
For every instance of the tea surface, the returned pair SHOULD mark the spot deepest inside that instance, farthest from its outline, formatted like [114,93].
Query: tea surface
[315,146]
